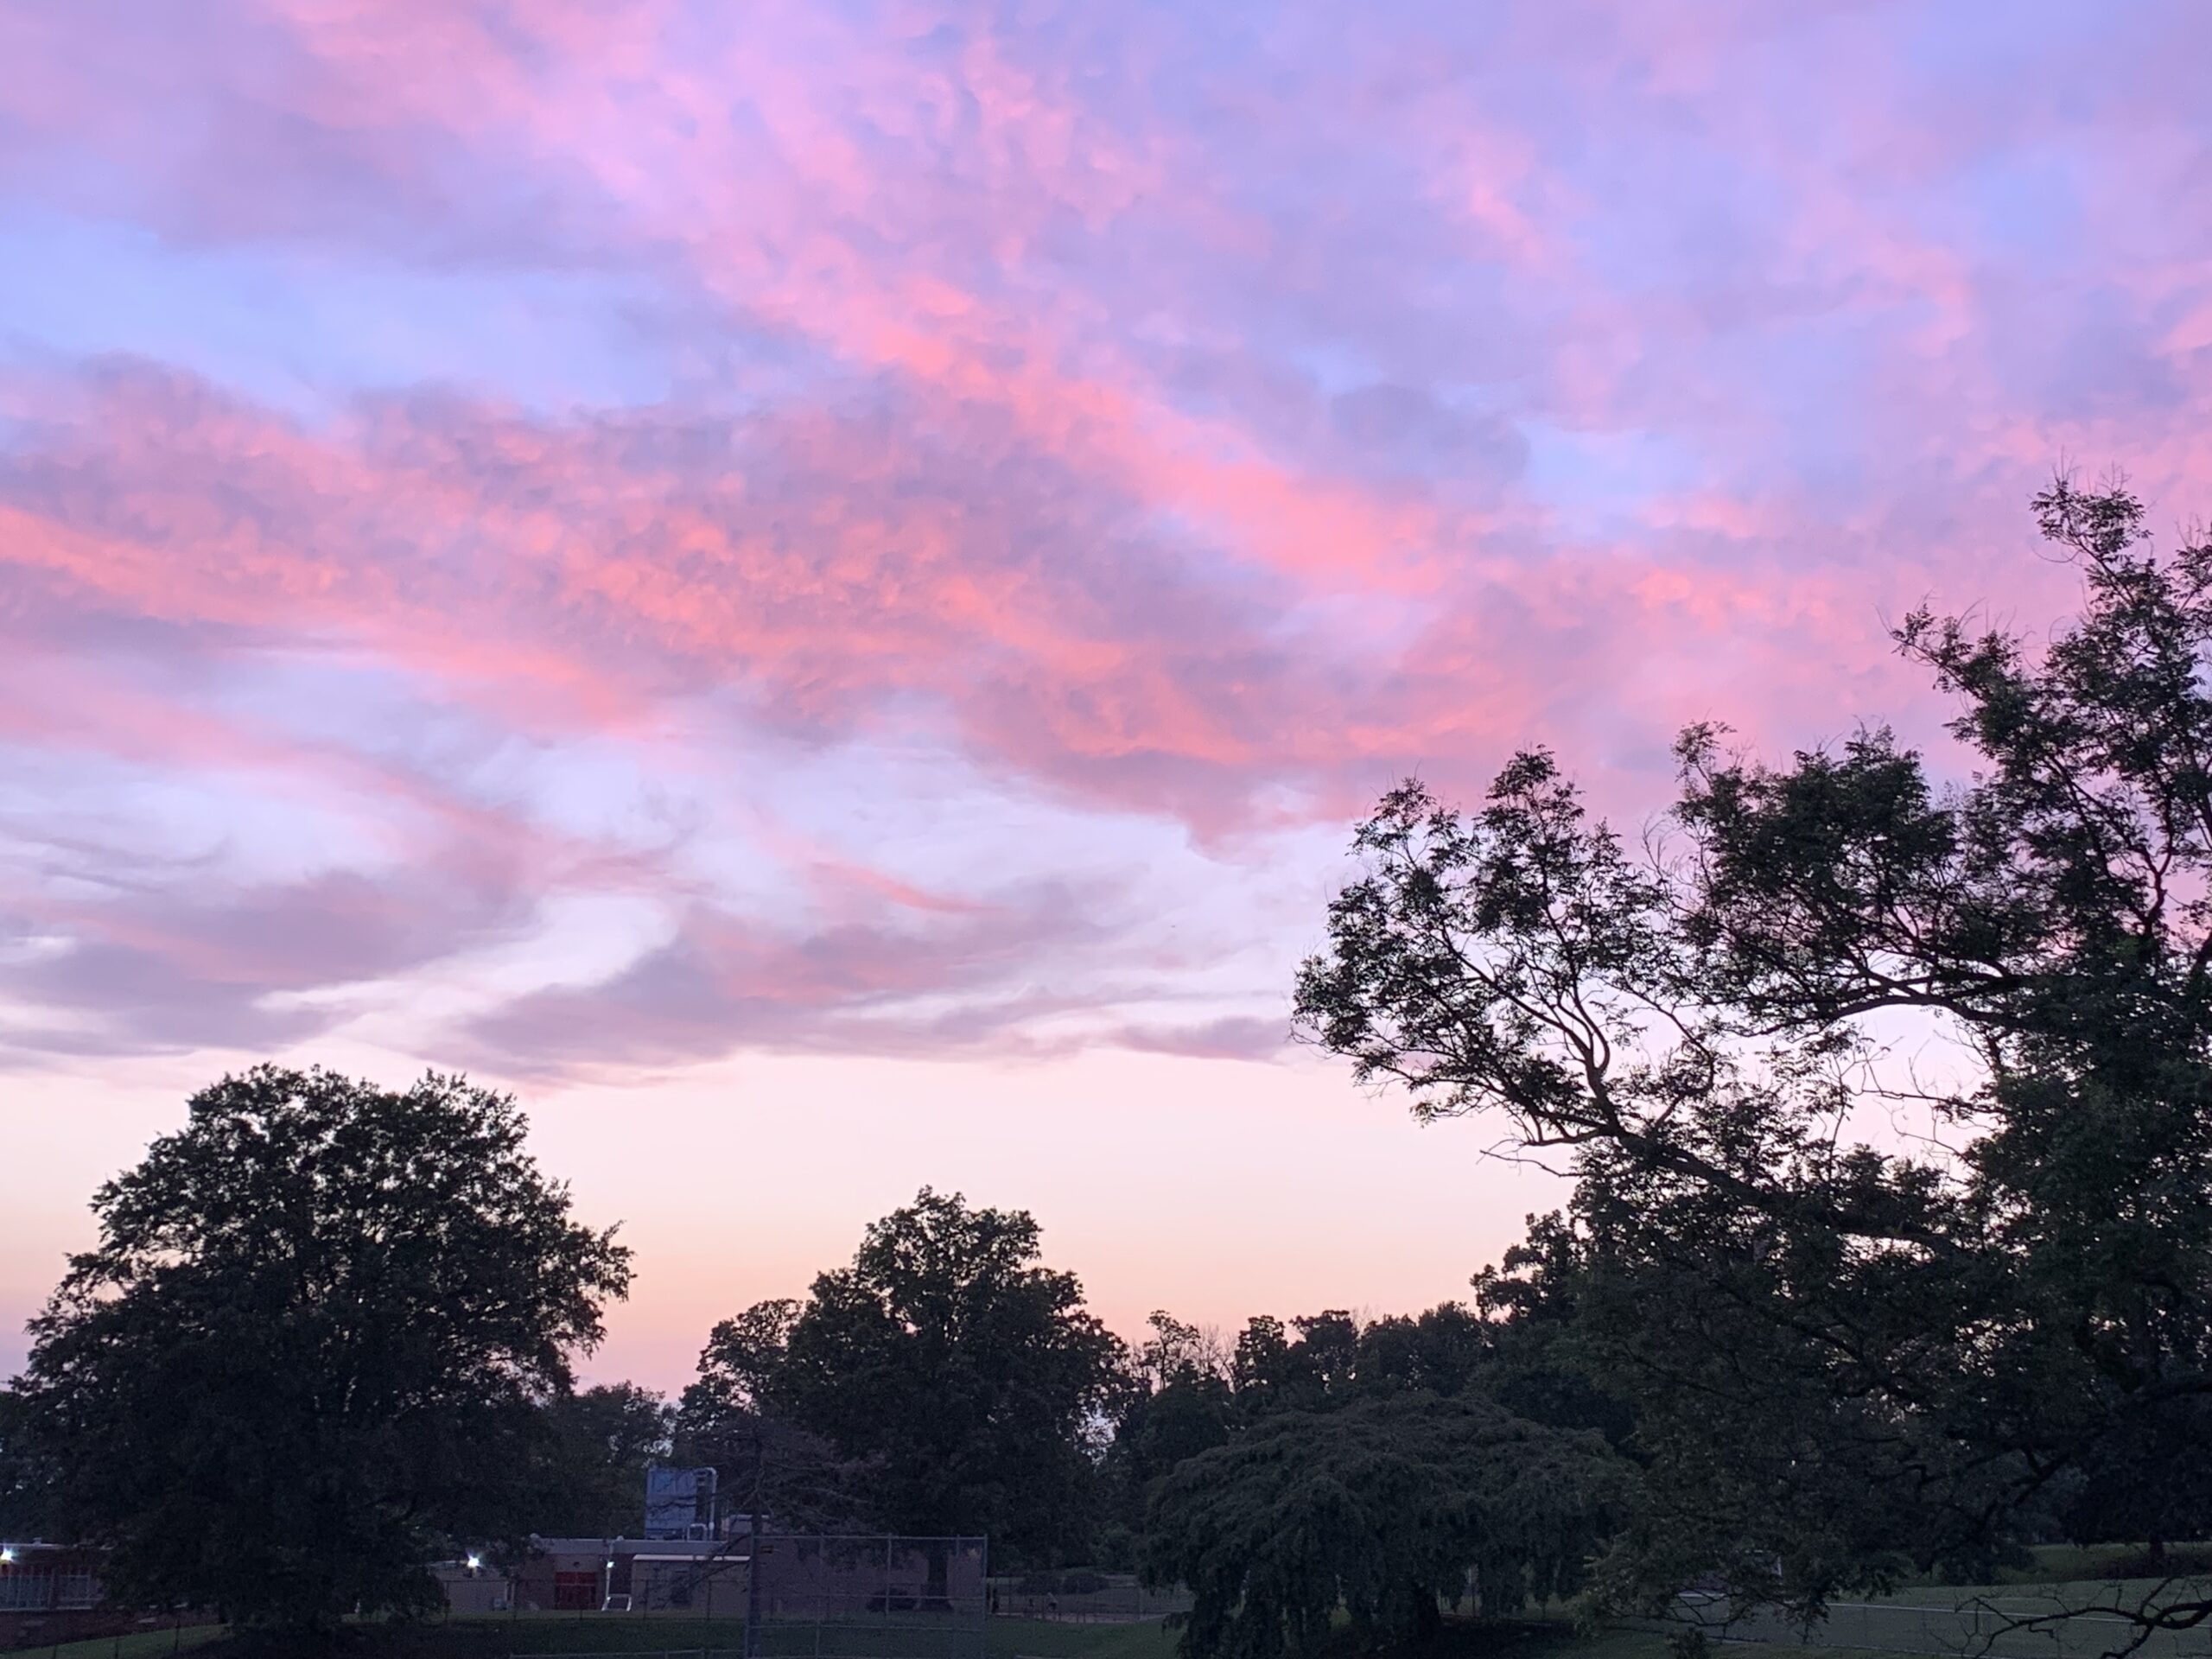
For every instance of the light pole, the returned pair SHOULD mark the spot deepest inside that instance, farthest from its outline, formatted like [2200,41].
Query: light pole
[753,1547]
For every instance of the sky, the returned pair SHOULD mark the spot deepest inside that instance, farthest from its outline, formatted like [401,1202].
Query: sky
[814,588]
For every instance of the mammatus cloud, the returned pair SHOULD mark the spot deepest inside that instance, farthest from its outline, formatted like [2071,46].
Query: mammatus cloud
[890,531]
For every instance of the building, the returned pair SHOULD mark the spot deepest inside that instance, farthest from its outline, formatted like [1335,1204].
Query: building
[585,1574]
[471,1587]
[802,1576]
[680,1502]
[53,1592]
[37,1578]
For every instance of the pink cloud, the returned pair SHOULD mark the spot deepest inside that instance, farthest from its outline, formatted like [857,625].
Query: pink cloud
[1167,418]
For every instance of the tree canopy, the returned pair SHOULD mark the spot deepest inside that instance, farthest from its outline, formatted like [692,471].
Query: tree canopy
[598,1444]
[1387,1507]
[1845,1351]
[1192,1390]
[313,1347]
[967,1376]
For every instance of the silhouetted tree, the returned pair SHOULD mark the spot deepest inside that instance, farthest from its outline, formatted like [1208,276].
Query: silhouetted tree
[967,1376]
[1388,1508]
[729,1418]
[599,1442]
[1842,1354]
[313,1347]
[1540,1362]
[1179,1403]
[1443,1351]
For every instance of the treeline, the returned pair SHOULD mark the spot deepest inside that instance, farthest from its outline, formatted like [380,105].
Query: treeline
[949,1381]
[331,1326]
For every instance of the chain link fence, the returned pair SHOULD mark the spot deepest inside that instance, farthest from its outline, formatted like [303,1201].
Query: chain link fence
[2079,1621]
[1084,1598]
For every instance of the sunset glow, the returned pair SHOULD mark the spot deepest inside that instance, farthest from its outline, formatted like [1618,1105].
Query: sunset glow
[814,588]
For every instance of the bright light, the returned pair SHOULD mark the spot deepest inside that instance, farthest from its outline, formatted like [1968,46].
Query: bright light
[475,1561]
[7,1556]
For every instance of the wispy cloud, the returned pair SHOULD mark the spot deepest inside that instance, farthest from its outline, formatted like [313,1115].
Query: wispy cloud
[931,520]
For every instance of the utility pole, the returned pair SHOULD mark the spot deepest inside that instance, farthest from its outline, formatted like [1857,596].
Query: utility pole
[753,1549]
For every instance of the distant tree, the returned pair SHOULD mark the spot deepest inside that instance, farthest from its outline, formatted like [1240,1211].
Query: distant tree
[1443,1351]
[1269,1373]
[1846,1357]
[1388,1508]
[1192,1394]
[598,1444]
[1318,1361]
[967,1376]
[1179,1403]
[1539,1361]
[732,1419]
[1176,1350]
[313,1347]
[743,1362]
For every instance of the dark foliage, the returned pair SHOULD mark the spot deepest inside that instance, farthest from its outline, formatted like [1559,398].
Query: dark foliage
[1848,1355]
[599,1443]
[313,1347]
[22,1495]
[1178,1401]
[948,1372]
[1390,1509]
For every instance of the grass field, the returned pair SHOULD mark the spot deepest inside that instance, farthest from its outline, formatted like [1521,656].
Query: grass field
[1031,1638]
[497,1635]
[1006,1638]
[140,1644]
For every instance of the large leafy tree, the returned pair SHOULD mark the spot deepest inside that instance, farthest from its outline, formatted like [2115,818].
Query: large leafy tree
[1388,1508]
[967,1376]
[1844,1350]
[1194,1392]
[313,1345]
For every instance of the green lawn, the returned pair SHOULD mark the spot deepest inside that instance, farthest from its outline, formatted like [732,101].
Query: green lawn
[140,1644]
[497,1635]
[1037,1638]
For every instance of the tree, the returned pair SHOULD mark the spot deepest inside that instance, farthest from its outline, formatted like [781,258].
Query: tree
[313,1345]
[22,1496]
[1843,1353]
[599,1443]
[1179,1403]
[967,1376]
[1323,1360]
[1388,1508]
[1539,1361]
[729,1419]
